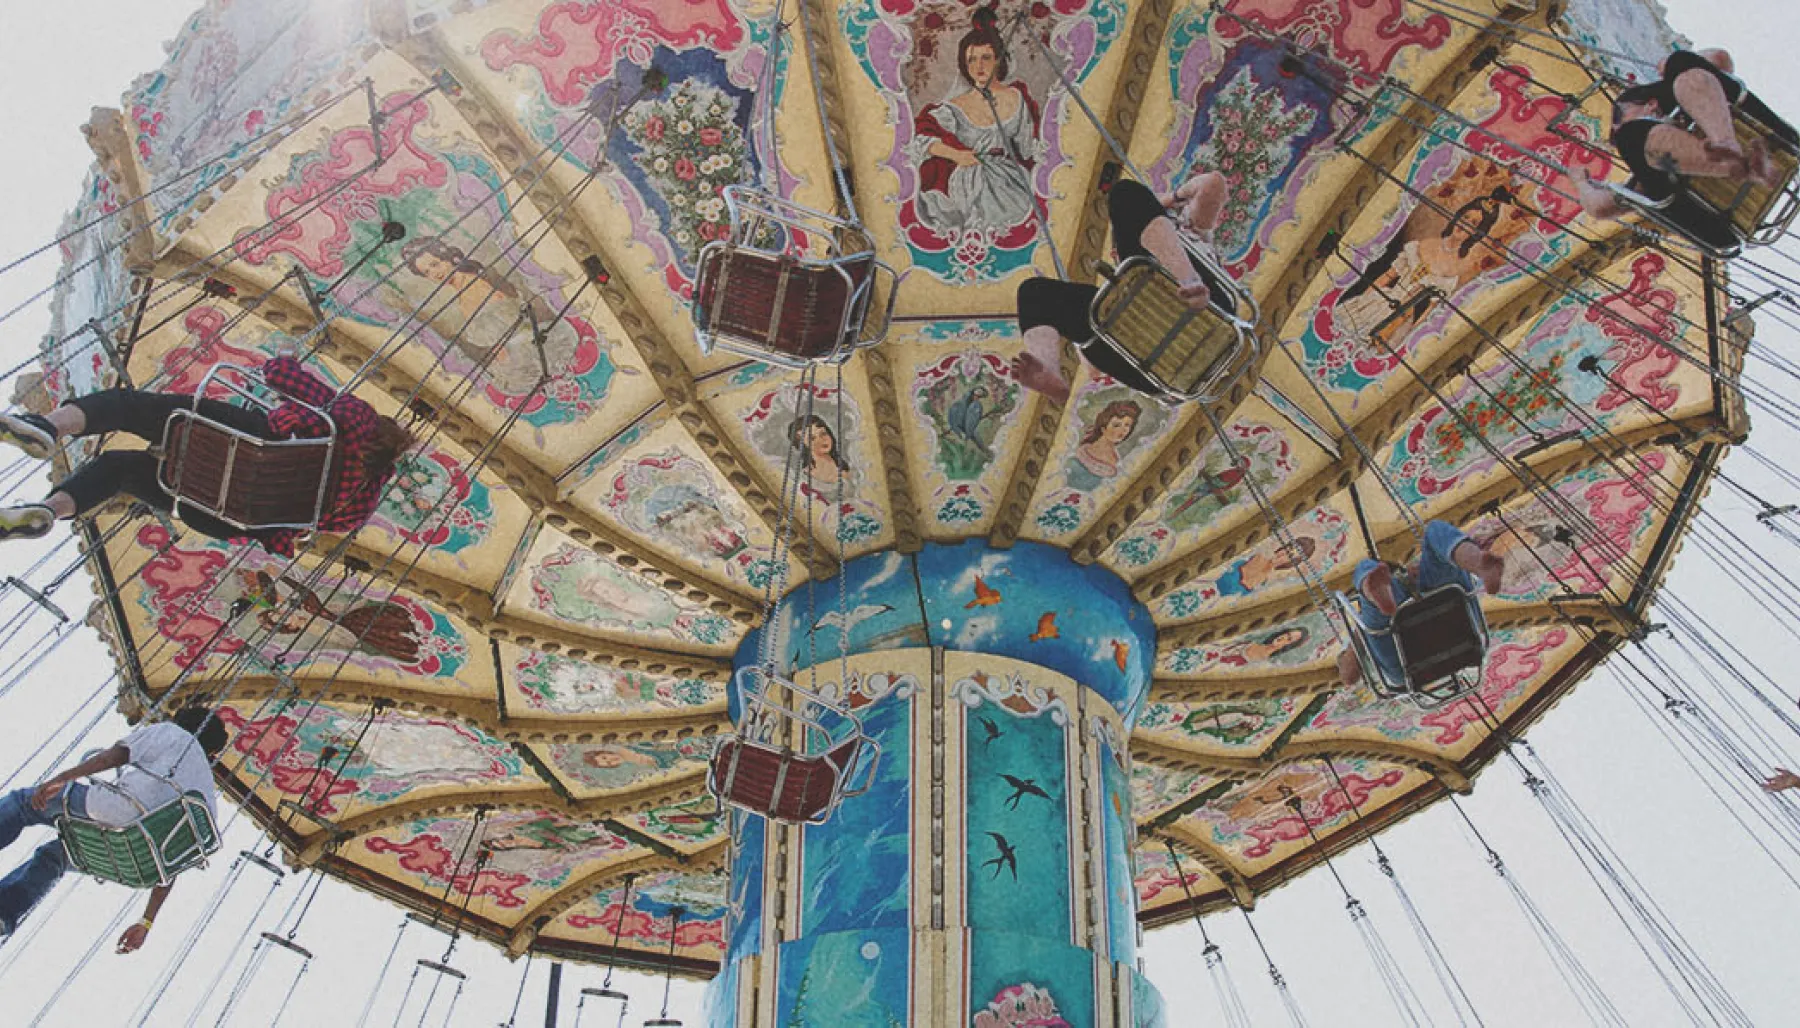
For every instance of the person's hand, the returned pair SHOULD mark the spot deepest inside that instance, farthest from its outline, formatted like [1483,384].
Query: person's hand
[1780,780]
[287,346]
[134,937]
[965,158]
[1349,668]
[43,794]
[1196,295]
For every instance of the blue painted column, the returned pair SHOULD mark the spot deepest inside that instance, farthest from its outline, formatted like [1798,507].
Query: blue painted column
[985,879]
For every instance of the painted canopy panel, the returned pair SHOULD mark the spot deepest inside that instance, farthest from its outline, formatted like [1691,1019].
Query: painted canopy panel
[553,591]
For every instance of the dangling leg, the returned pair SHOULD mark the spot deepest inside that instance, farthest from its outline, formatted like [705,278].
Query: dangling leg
[1449,556]
[1142,226]
[1050,311]
[30,882]
[1698,91]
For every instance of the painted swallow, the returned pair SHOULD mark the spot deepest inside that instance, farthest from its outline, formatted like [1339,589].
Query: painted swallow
[985,595]
[988,726]
[1022,787]
[1046,628]
[1008,858]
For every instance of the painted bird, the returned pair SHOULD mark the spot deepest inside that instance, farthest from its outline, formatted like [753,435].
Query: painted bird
[985,595]
[966,415]
[863,612]
[1022,787]
[988,726]
[1008,858]
[1121,651]
[1046,628]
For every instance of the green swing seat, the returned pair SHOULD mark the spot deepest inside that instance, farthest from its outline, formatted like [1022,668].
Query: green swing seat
[150,851]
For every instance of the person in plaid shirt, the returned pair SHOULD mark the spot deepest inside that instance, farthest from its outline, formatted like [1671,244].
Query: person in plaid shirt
[369,445]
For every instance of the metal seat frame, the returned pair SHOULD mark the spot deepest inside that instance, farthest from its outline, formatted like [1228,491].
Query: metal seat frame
[766,727]
[1427,694]
[243,453]
[1142,279]
[799,241]
[116,841]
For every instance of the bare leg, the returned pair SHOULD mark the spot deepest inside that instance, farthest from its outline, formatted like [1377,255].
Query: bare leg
[1701,96]
[1349,668]
[1378,588]
[1040,366]
[1688,154]
[1205,202]
[1164,243]
[1471,557]
[68,419]
[61,503]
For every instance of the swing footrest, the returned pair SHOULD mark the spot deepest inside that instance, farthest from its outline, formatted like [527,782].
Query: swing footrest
[150,851]
[1187,354]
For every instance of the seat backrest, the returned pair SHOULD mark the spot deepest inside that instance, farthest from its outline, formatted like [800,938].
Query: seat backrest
[1438,635]
[780,784]
[151,851]
[251,483]
[781,304]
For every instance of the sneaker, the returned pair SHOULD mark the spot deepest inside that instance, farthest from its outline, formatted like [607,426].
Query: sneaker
[31,521]
[37,443]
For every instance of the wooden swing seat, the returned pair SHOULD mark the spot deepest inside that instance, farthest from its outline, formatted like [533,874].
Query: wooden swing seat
[1188,355]
[150,851]
[244,480]
[757,770]
[789,285]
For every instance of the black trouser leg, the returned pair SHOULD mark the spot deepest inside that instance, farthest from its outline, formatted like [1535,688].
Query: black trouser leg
[146,415]
[133,472]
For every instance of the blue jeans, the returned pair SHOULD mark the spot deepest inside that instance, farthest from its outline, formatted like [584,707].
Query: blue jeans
[31,881]
[1435,570]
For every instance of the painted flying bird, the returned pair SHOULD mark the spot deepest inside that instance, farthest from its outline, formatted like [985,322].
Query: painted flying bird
[985,595]
[1022,787]
[838,620]
[1121,652]
[1008,858]
[1046,628]
[988,726]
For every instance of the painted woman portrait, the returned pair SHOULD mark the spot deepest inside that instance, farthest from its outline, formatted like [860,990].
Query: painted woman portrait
[381,628]
[976,146]
[1265,648]
[820,457]
[480,312]
[1097,457]
[1433,251]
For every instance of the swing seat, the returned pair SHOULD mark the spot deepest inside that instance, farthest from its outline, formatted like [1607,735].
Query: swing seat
[150,851]
[1746,213]
[1188,355]
[246,481]
[789,285]
[1442,641]
[758,771]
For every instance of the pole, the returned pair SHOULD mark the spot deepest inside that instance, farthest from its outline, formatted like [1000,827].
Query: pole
[554,994]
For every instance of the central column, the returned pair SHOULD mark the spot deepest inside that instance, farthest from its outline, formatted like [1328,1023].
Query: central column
[985,878]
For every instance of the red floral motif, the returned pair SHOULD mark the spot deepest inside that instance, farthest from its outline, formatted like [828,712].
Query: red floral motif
[1640,319]
[578,44]
[1322,802]
[429,857]
[639,925]
[1510,667]
[310,219]
[1364,33]
[182,580]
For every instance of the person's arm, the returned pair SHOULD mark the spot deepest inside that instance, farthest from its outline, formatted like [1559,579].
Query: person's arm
[286,376]
[107,759]
[137,933]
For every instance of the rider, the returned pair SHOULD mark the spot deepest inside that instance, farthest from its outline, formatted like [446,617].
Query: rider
[1659,153]
[181,749]
[1051,309]
[368,447]
[1448,557]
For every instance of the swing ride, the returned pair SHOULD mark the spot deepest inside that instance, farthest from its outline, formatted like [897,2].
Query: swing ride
[737,572]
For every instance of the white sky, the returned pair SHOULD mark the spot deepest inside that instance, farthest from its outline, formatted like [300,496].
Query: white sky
[58,60]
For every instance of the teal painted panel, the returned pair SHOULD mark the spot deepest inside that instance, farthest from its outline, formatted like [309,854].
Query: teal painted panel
[1146,1002]
[855,866]
[1115,816]
[1017,823]
[845,980]
[745,910]
[1026,980]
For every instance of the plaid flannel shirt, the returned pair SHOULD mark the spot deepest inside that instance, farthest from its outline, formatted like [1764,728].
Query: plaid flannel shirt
[352,498]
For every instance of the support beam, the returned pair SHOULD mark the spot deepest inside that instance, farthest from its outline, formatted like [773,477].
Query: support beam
[1305,682]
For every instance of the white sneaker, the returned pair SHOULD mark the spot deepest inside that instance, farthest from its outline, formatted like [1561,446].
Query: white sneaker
[37,443]
[31,521]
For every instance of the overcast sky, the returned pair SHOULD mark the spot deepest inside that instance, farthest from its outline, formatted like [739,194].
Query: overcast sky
[58,60]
